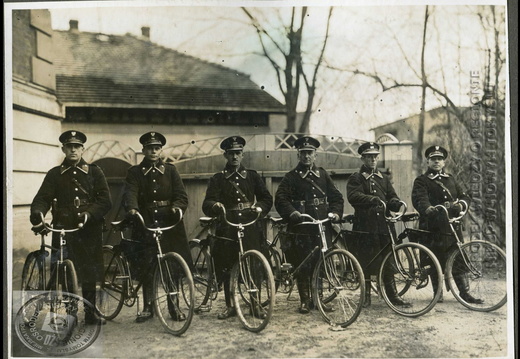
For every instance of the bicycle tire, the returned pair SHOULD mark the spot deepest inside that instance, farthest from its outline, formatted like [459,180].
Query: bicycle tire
[275,262]
[253,273]
[417,265]
[114,286]
[338,288]
[33,279]
[487,277]
[203,278]
[173,293]
[68,278]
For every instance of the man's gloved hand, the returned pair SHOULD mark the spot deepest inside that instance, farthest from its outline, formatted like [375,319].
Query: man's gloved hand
[218,208]
[394,205]
[295,217]
[375,200]
[335,218]
[175,210]
[35,218]
[431,211]
[455,209]
[84,216]
[131,213]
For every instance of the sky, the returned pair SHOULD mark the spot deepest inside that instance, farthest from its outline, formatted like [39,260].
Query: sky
[386,39]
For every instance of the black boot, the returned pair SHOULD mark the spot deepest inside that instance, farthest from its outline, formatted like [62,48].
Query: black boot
[391,291]
[304,292]
[230,310]
[463,285]
[91,314]
[368,299]
[147,312]
[435,285]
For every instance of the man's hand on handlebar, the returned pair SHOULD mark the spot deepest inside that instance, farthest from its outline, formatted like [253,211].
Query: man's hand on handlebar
[334,217]
[295,217]
[84,216]
[218,208]
[394,205]
[431,211]
[36,218]
[131,213]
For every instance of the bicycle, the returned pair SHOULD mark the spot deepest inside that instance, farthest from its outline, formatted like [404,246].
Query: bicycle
[252,282]
[57,298]
[173,288]
[409,264]
[479,266]
[337,288]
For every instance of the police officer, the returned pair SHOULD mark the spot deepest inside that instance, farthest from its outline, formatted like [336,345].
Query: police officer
[306,189]
[239,191]
[438,187]
[155,189]
[76,191]
[365,190]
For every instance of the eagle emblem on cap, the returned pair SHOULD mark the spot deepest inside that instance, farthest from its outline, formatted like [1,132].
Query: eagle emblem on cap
[73,133]
[437,148]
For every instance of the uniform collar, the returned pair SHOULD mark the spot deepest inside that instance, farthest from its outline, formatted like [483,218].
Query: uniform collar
[304,171]
[81,165]
[229,171]
[146,166]
[368,173]
[433,175]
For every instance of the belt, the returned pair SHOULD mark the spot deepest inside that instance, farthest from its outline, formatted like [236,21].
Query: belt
[156,204]
[76,202]
[312,202]
[239,206]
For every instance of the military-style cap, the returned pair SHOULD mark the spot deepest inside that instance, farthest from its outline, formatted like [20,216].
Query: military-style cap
[436,151]
[73,137]
[368,148]
[152,138]
[306,143]
[233,143]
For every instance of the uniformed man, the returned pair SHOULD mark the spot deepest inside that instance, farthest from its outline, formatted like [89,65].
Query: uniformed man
[365,191]
[438,187]
[155,189]
[306,189]
[76,191]
[239,191]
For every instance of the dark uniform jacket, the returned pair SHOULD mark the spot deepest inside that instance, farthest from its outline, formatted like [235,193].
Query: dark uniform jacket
[251,190]
[153,189]
[362,188]
[309,191]
[427,191]
[77,189]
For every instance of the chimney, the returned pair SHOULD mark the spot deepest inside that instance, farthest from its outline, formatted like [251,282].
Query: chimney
[74,25]
[145,31]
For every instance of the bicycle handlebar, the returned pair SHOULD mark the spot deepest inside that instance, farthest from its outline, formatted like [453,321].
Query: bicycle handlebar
[49,227]
[397,215]
[330,216]
[158,229]
[258,211]
[462,213]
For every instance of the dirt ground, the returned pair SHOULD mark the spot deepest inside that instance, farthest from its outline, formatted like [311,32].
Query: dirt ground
[448,331]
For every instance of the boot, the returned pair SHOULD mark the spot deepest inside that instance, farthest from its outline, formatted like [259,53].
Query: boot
[463,285]
[147,312]
[391,291]
[91,315]
[435,285]
[304,292]
[230,310]
[368,299]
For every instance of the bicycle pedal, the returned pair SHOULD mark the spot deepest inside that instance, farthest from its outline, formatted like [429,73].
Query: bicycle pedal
[203,309]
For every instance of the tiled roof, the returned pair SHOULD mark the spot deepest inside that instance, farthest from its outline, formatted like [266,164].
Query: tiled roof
[109,70]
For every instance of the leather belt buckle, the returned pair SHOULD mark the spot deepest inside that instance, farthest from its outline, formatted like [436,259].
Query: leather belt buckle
[77,202]
[316,201]
[240,206]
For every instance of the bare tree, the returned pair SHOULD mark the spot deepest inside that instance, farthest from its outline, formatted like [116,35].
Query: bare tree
[292,66]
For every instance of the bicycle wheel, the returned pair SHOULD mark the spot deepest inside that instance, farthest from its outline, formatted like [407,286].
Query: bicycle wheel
[408,274]
[203,277]
[480,268]
[173,293]
[338,287]
[275,261]
[68,279]
[110,299]
[251,278]
[33,280]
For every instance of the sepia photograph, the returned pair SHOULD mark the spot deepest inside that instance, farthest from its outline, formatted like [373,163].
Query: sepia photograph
[258,179]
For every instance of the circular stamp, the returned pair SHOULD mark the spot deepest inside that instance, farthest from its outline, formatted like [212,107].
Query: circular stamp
[57,324]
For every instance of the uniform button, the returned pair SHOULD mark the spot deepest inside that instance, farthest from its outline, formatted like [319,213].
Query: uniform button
[240,214]
[74,172]
[238,199]
[314,195]
[153,171]
[144,168]
[155,211]
[237,191]
[154,191]
[154,180]
[75,189]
